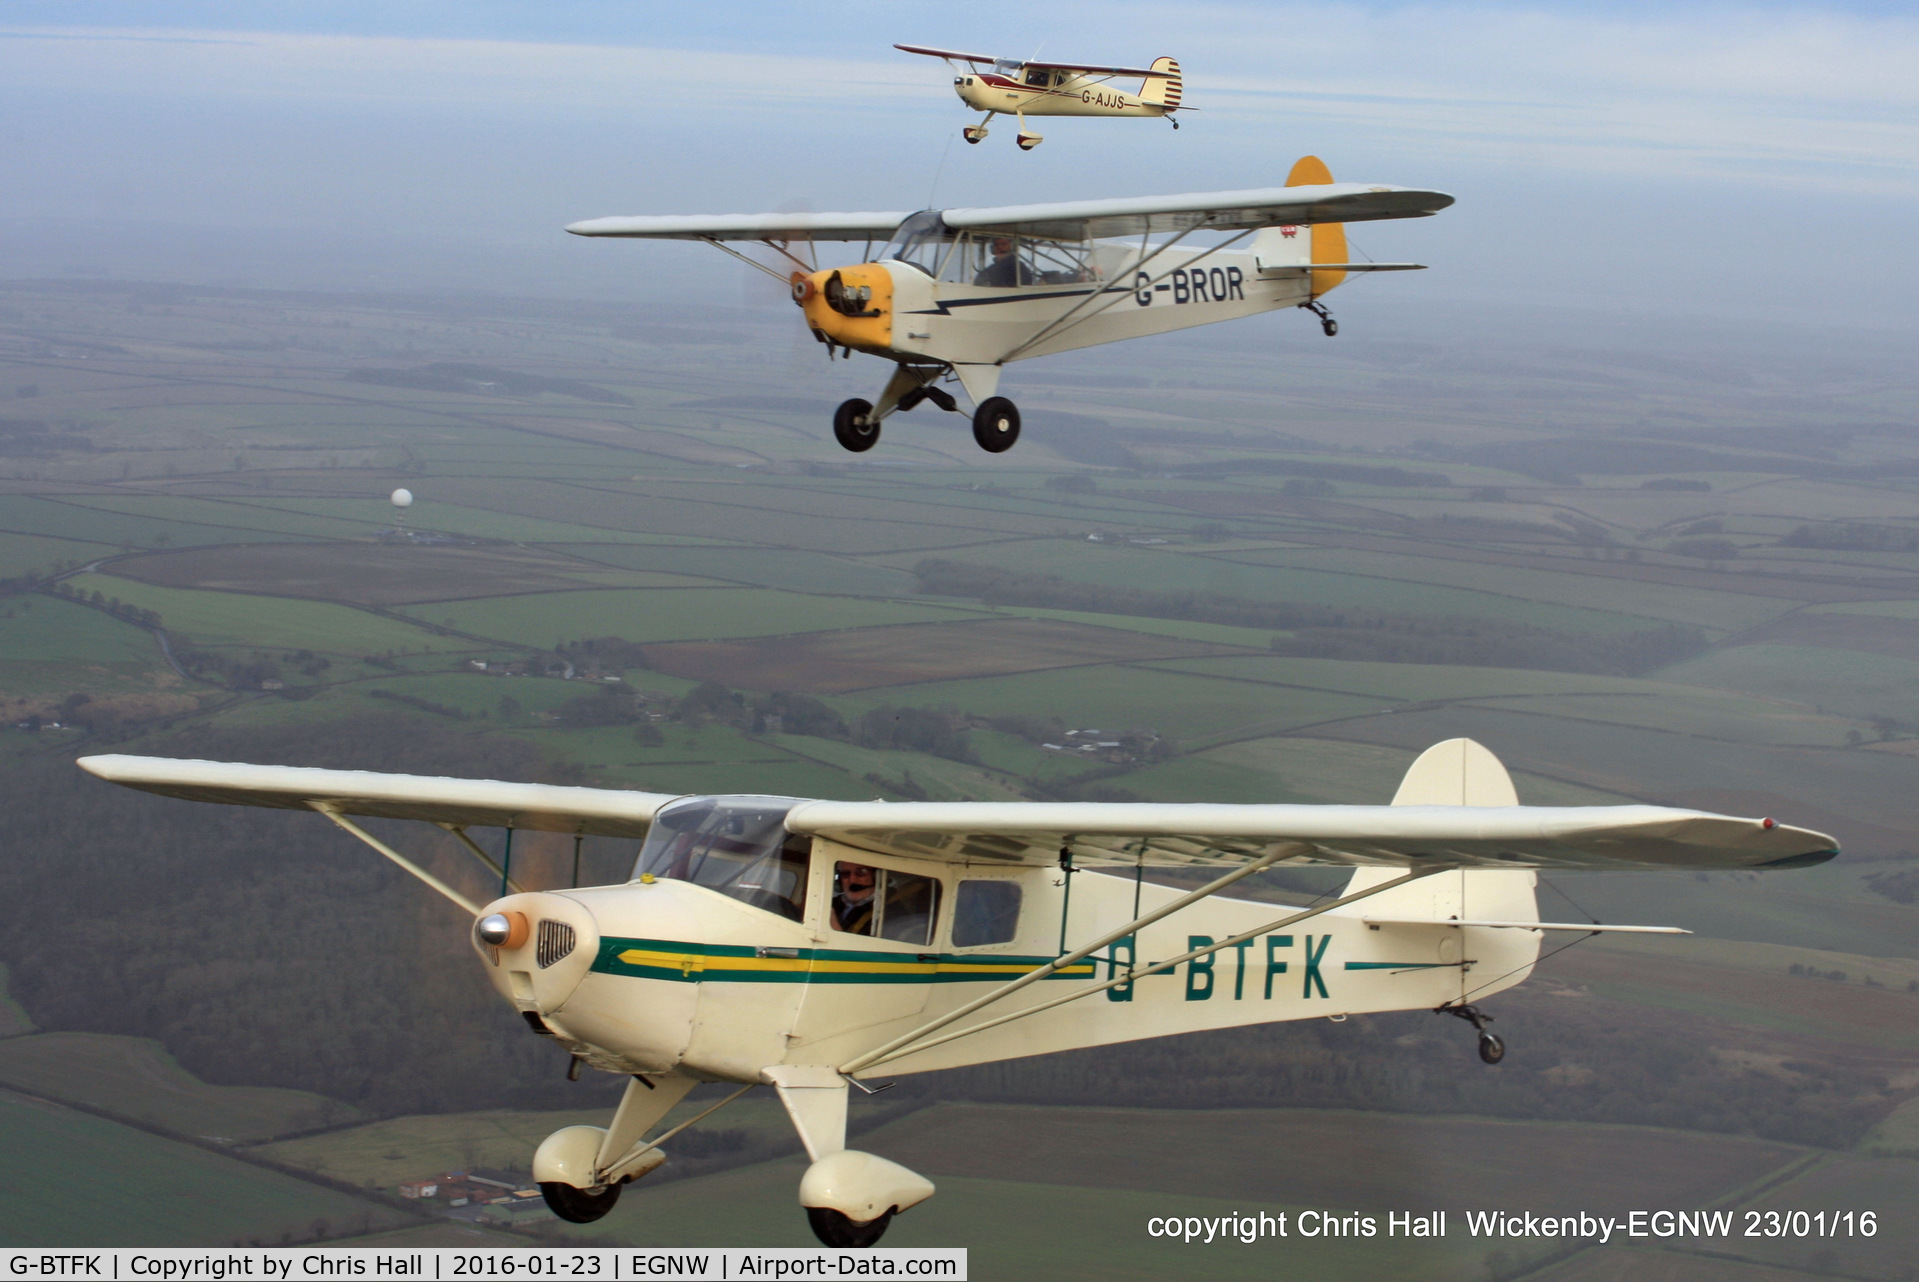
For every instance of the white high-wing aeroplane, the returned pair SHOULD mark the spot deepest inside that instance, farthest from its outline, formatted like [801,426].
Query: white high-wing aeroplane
[808,945]
[958,293]
[1025,89]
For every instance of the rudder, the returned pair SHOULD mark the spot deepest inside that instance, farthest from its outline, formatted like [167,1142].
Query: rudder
[1329,239]
[1162,91]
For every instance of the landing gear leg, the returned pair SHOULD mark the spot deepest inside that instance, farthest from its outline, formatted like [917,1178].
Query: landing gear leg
[1327,324]
[1491,1048]
[910,385]
[1025,140]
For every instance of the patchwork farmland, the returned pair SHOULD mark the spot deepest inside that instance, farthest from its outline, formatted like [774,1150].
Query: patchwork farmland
[1225,578]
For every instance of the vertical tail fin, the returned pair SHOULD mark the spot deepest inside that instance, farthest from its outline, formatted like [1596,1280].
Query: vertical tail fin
[1162,91]
[1329,239]
[1460,772]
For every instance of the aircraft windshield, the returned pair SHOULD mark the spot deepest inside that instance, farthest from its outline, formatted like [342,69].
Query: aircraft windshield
[922,240]
[738,846]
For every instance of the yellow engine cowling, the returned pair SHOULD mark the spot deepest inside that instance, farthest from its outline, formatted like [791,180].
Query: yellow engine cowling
[851,306]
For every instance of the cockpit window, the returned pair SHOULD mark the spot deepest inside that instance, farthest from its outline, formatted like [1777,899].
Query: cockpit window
[923,240]
[738,846]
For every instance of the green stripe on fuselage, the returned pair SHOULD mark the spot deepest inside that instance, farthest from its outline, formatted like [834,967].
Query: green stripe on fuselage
[684,962]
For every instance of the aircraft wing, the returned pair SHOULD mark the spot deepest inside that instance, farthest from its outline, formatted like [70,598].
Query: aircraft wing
[949,53]
[1221,210]
[1098,69]
[781,227]
[1100,833]
[488,803]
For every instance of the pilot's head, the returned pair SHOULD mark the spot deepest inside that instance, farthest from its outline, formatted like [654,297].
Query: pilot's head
[856,882]
[1002,246]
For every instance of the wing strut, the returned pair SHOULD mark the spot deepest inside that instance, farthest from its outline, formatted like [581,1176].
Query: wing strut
[1062,324]
[1059,963]
[903,1045]
[754,263]
[395,856]
[488,860]
[1155,968]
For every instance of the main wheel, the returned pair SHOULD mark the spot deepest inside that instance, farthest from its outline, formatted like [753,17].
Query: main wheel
[1491,1049]
[834,1229]
[579,1206]
[996,424]
[852,428]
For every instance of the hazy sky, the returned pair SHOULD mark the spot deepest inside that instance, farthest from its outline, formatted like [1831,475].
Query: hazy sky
[1722,160]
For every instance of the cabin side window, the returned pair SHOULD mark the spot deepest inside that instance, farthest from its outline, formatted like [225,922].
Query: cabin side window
[986,912]
[738,846]
[883,904]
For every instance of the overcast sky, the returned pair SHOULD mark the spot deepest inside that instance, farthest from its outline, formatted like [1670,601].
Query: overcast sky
[1723,160]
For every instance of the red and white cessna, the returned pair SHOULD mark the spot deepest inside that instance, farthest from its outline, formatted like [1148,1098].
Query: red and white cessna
[1007,86]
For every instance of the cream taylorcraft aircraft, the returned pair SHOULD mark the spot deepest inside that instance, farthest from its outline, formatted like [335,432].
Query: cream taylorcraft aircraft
[958,293]
[808,945]
[1023,89]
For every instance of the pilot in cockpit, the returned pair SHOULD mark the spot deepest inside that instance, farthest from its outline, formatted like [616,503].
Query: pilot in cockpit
[1006,269]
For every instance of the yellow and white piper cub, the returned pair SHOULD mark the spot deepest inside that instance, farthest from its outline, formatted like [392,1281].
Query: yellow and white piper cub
[957,294]
[1010,87]
[808,945]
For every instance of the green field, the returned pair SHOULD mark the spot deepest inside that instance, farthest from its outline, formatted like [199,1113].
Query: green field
[395,1150]
[1649,601]
[677,615]
[135,1079]
[1192,709]
[1159,570]
[231,618]
[42,630]
[35,554]
[73,1180]
[1843,681]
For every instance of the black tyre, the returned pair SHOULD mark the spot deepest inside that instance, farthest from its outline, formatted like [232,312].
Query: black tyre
[1331,327]
[852,427]
[1491,1049]
[834,1229]
[579,1206]
[996,424]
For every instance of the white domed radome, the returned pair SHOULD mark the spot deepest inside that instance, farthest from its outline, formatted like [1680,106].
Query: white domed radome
[403,498]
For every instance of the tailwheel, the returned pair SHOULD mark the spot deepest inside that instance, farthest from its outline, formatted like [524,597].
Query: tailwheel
[853,425]
[996,424]
[579,1206]
[1491,1048]
[836,1230]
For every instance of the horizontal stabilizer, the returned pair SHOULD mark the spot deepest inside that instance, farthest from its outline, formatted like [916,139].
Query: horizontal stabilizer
[1342,267]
